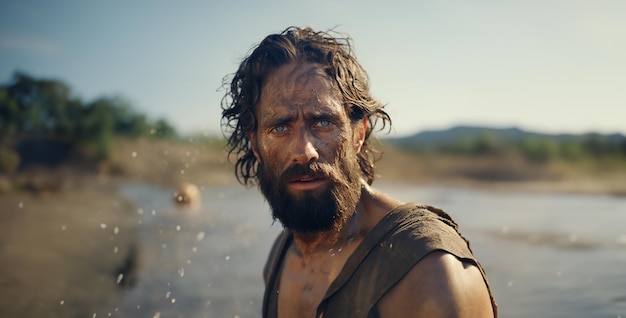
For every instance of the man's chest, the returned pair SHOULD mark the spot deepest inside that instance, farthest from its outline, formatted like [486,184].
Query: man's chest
[303,285]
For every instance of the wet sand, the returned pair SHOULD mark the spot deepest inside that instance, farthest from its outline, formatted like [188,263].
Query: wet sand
[59,251]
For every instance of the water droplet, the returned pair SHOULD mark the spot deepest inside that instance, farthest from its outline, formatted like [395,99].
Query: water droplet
[103,226]
[115,250]
[194,249]
[140,211]
[227,257]
[164,246]
[63,227]
[153,212]
[168,294]
[173,300]
[182,171]
[177,227]
[116,230]
[157,314]
[510,283]
[200,236]
[62,302]
[390,245]
[134,154]
[20,205]
[181,272]
[119,278]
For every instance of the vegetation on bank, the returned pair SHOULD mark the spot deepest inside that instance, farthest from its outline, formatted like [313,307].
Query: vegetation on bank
[512,142]
[42,123]
[573,163]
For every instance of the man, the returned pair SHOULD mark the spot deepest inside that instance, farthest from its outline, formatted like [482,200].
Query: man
[298,115]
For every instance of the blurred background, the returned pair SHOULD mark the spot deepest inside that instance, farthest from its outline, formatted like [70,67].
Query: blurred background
[510,116]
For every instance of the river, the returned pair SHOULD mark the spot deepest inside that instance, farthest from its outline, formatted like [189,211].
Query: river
[546,255]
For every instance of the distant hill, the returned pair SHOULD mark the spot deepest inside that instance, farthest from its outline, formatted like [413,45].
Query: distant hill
[441,138]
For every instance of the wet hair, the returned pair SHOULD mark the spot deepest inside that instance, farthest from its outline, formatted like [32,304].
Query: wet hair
[335,55]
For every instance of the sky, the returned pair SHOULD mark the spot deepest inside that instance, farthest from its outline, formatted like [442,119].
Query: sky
[542,65]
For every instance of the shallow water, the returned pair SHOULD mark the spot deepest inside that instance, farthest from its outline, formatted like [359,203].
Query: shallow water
[546,255]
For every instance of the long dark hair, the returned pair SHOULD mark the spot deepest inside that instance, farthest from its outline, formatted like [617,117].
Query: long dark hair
[337,57]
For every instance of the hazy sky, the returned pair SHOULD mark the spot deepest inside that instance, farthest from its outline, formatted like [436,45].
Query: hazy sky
[550,66]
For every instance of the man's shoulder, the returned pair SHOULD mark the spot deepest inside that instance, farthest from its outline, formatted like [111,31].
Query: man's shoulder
[417,226]
[440,285]
[414,213]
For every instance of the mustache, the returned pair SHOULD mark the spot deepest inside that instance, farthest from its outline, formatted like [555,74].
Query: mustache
[313,169]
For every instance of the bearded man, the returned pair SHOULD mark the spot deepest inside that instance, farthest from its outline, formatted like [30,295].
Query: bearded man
[299,115]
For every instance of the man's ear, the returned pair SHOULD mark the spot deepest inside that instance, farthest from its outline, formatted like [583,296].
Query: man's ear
[253,144]
[360,129]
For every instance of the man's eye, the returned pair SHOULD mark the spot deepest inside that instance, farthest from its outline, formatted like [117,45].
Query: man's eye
[279,129]
[324,123]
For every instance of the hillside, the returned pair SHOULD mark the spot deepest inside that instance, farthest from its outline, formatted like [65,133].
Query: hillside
[439,138]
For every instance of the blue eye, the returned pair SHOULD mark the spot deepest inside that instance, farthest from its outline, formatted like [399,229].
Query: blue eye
[324,123]
[279,129]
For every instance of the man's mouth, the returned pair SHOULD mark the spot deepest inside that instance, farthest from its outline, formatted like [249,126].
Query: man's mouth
[306,183]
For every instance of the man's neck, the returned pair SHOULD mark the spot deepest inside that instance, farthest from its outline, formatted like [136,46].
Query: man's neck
[311,243]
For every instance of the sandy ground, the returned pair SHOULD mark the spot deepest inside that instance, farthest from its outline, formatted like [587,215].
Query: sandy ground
[59,252]
[64,239]
[60,248]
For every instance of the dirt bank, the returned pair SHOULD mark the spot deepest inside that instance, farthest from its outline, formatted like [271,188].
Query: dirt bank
[59,251]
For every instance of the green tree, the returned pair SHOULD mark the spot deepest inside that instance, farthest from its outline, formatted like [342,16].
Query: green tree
[36,108]
[486,143]
[539,149]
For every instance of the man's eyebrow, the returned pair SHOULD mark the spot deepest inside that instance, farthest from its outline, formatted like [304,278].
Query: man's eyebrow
[324,114]
[280,120]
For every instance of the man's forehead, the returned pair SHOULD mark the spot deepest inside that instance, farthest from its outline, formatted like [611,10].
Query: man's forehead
[299,84]
[298,76]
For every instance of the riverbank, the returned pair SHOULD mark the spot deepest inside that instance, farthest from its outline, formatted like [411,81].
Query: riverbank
[59,252]
[66,234]
[503,173]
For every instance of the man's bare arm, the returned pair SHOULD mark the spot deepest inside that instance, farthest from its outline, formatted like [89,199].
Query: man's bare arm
[440,285]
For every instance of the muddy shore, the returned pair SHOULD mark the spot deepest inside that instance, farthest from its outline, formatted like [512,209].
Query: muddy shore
[59,251]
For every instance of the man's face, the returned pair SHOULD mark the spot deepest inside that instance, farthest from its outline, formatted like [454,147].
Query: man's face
[306,147]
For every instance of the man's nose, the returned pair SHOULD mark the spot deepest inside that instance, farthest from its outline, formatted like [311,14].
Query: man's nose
[304,150]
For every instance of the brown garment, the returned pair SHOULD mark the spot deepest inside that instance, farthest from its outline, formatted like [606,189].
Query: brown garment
[400,240]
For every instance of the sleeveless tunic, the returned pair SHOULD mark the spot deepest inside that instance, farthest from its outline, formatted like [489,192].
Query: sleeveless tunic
[388,251]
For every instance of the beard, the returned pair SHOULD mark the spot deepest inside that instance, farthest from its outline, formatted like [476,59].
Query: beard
[317,210]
